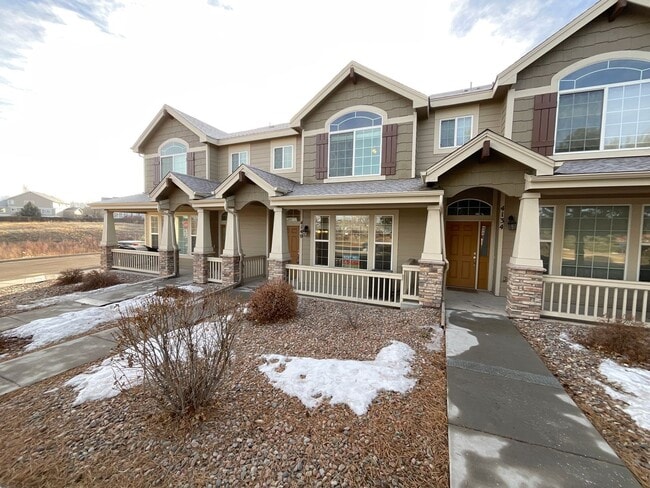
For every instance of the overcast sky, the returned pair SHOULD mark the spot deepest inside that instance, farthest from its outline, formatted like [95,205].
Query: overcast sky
[81,79]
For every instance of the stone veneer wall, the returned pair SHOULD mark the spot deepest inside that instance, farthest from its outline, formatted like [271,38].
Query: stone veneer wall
[430,282]
[168,265]
[276,270]
[106,257]
[231,270]
[201,268]
[524,292]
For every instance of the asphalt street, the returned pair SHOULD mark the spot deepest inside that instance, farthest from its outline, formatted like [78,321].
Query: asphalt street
[35,269]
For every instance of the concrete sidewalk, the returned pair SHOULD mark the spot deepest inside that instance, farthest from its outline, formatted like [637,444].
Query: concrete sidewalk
[511,424]
[36,366]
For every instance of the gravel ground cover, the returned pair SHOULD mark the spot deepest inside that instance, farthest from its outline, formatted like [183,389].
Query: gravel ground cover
[557,343]
[253,434]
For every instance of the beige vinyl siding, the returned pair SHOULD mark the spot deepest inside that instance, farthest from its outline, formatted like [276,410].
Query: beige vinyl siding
[200,164]
[169,128]
[491,116]
[148,175]
[412,223]
[348,94]
[522,121]
[511,208]
[309,163]
[253,219]
[260,154]
[504,174]
[424,157]
[630,31]
[214,164]
[222,163]
[404,152]
[305,242]
[248,193]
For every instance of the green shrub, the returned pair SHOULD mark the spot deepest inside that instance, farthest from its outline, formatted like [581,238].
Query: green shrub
[94,280]
[70,277]
[273,301]
[629,341]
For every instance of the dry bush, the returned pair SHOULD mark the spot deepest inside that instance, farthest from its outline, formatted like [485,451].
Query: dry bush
[273,301]
[69,277]
[183,345]
[172,291]
[93,280]
[629,341]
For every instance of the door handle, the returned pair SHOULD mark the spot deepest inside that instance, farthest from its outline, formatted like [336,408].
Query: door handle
[474,258]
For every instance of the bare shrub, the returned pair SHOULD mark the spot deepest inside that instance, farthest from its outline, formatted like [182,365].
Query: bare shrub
[69,277]
[172,291]
[93,280]
[273,301]
[183,345]
[629,341]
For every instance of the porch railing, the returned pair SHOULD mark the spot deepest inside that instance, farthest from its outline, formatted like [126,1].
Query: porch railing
[141,261]
[376,287]
[215,270]
[596,300]
[254,267]
[410,287]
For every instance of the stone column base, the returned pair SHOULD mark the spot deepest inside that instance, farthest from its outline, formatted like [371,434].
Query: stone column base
[168,265]
[200,268]
[231,270]
[276,270]
[524,292]
[106,257]
[430,283]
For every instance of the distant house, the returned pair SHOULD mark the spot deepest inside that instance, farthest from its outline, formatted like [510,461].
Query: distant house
[48,205]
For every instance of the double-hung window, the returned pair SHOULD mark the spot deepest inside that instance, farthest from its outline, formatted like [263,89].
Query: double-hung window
[644,266]
[173,157]
[455,132]
[153,231]
[604,106]
[237,159]
[546,218]
[355,145]
[321,240]
[283,157]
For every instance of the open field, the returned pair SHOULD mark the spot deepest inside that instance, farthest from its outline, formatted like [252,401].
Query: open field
[47,238]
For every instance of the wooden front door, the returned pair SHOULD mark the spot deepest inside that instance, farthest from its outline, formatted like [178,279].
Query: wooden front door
[462,243]
[293,233]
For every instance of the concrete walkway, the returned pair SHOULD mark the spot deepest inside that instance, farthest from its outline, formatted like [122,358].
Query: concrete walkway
[36,366]
[511,424]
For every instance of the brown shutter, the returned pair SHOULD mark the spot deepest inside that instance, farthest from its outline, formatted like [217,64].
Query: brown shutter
[389,150]
[156,170]
[322,141]
[544,109]
[190,163]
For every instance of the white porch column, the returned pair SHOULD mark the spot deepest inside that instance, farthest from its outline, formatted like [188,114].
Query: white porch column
[203,248]
[231,255]
[525,268]
[231,245]
[432,250]
[526,249]
[280,241]
[167,246]
[108,242]
[432,260]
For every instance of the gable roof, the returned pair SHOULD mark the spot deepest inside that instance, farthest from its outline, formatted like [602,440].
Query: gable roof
[273,185]
[204,131]
[42,195]
[195,188]
[419,100]
[540,164]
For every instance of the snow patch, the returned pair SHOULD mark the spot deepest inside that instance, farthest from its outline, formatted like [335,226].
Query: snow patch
[354,383]
[70,297]
[459,340]
[564,337]
[631,386]
[437,338]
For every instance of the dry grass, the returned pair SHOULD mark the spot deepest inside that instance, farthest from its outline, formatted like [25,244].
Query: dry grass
[45,238]
[628,341]
[70,277]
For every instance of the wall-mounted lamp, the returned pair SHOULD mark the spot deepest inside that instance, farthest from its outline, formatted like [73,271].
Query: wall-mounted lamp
[304,231]
[512,223]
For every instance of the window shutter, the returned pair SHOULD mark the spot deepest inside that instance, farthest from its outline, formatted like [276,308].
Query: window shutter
[389,150]
[156,170]
[544,109]
[322,141]
[190,163]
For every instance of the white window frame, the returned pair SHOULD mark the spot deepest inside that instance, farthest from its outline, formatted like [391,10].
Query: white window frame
[455,119]
[169,142]
[354,142]
[239,155]
[550,241]
[283,163]
[641,245]
[328,240]
[153,218]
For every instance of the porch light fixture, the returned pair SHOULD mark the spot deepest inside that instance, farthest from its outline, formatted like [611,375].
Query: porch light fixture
[304,231]
[512,223]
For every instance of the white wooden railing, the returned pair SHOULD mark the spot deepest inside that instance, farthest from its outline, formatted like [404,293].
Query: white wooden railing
[374,287]
[410,276]
[141,261]
[215,270]
[254,267]
[596,300]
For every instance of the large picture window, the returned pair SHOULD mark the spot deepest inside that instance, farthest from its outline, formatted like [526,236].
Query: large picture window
[173,157]
[604,106]
[644,266]
[355,145]
[546,219]
[595,241]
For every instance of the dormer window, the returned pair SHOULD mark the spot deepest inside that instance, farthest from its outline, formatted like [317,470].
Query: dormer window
[604,106]
[173,157]
[355,145]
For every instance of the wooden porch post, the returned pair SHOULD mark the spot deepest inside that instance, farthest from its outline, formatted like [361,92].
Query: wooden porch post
[279,255]
[108,242]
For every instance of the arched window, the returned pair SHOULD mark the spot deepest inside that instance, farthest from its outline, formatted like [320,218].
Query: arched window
[604,106]
[469,207]
[173,157]
[355,144]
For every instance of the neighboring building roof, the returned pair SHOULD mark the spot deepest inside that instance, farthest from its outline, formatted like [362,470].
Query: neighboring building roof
[608,165]
[42,195]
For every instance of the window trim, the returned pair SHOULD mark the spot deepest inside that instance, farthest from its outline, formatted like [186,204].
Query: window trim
[155,217]
[455,119]
[173,140]
[549,271]
[641,245]
[239,153]
[283,169]
[330,121]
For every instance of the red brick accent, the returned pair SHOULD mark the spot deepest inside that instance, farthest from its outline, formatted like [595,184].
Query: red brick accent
[430,282]
[524,292]
[106,257]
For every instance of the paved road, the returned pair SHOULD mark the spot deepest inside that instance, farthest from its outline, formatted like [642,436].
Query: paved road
[35,269]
